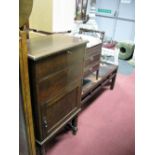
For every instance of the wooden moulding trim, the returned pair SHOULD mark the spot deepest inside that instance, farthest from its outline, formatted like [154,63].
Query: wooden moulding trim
[56,131]
[23,61]
[45,55]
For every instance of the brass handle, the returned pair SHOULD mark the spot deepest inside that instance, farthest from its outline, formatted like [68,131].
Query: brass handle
[45,123]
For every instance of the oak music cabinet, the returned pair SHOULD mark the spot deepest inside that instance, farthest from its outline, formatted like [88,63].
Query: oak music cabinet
[56,66]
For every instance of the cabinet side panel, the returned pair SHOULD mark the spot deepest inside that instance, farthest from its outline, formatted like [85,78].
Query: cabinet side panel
[34,100]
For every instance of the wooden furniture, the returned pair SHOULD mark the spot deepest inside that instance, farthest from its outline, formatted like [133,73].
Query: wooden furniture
[56,65]
[26,130]
[92,60]
[93,51]
[105,74]
[107,77]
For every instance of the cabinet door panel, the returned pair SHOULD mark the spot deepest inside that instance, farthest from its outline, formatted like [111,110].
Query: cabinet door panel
[59,83]
[59,62]
[56,113]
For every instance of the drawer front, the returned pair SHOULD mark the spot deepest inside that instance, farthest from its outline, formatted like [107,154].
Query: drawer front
[59,83]
[59,62]
[93,51]
[92,60]
[54,114]
[91,69]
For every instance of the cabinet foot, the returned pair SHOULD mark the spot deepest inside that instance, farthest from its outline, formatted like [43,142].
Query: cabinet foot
[97,74]
[41,150]
[73,126]
[113,83]
[75,123]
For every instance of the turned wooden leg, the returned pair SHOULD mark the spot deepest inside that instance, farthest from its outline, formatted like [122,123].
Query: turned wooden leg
[113,82]
[41,150]
[97,74]
[73,125]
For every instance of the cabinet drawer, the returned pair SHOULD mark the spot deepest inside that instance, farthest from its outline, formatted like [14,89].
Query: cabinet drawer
[56,113]
[92,59]
[91,69]
[93,51]
[59,62]
[59,83]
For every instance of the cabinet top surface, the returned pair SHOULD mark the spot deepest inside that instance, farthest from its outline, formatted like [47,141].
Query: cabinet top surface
[43,46]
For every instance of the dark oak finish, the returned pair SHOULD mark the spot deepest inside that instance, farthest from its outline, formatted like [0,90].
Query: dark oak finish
[56,78]
[93,54]
[113,82]
[92,60]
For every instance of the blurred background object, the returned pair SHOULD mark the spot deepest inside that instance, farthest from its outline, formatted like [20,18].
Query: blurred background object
[25,8]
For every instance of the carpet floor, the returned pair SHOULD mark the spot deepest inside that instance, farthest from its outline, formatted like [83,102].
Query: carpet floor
[106,126]
[125,67]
